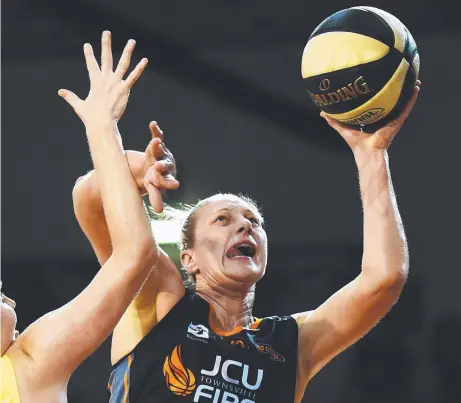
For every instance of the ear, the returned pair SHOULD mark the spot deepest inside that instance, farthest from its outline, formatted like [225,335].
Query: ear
[188,262]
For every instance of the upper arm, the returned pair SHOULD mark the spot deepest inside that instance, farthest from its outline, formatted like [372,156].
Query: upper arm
[341,320]
[161,291]
[89,211]
[61,340]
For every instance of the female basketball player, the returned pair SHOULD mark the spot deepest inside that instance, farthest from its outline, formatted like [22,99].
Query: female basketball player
[177,345]
[36,365]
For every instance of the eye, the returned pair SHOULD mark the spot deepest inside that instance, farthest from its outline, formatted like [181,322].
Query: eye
[222,219]
[254,220]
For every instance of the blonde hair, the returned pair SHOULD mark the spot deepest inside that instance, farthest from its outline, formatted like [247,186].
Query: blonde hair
[186,214]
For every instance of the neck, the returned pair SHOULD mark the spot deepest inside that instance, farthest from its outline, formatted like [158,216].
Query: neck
[230,309]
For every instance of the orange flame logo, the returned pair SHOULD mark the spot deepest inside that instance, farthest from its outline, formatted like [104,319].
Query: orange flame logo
[179,379]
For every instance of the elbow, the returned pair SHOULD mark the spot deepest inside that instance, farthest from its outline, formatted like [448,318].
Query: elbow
[385,278]
[136,264]
[142,254]
[389,272]
[393,282]
[85,194]
[79,180]
[148,251]
[390,289]
[81,187]
[397,274]
[396,282]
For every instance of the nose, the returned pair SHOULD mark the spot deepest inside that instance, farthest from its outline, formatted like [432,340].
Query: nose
[245,226]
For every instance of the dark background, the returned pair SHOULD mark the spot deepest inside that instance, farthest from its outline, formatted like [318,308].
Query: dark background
[224,83]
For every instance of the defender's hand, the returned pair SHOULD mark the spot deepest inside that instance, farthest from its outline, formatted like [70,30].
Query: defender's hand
[161,171]
[109,92]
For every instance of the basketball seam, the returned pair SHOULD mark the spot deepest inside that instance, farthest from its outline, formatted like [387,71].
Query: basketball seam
[410,57]
[318,31]
[409,60]
[384,23]
[406,32]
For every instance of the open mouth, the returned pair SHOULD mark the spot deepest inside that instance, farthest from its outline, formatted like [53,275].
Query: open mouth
[242,250]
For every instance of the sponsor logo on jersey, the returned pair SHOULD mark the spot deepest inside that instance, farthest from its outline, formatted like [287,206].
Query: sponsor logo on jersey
[179,379]
[198,332]
[227,381]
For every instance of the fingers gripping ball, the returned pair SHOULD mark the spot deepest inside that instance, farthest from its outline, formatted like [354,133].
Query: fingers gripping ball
[360,67]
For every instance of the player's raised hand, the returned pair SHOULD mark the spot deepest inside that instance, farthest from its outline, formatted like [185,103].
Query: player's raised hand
[109,91]
[362,144]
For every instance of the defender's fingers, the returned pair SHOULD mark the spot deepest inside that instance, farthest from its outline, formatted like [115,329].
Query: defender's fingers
[136,73]
[155,130]
[107,62]
[91,63]
[165,166]
[72,99]
[125,59]
[155,198]
[152,150]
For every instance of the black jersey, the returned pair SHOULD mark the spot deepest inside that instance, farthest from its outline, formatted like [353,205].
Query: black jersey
[183,360]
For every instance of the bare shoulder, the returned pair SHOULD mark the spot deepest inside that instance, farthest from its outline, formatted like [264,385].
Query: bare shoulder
[301,317]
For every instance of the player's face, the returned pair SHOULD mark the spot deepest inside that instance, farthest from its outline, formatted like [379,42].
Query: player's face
[230,245]
[8,320]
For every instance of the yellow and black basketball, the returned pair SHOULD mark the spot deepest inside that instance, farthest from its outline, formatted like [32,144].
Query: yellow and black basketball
[360,67]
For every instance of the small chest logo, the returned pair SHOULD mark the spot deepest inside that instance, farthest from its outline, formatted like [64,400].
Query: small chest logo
[199,331]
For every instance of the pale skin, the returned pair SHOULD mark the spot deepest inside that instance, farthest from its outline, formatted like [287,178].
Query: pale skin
[228,284]
[45,355]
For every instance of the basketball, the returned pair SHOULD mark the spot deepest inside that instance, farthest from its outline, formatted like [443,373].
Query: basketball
[360,67]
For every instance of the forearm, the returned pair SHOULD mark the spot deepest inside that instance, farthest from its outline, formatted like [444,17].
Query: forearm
[88,206]
[385,253]
[123,209]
